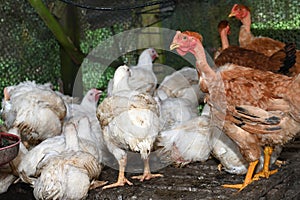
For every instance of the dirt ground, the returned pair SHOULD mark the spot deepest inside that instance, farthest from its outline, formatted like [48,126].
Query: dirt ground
[195,181]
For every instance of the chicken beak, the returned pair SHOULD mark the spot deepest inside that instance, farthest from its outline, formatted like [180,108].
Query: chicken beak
[231,15]
[98,92]
[174,46]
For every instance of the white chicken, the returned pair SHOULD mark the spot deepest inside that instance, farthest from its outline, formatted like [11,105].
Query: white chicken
[227,152]
[130,122]
[142,77]
[87,107]
[34,111]
[181,84]
[64,167]
[194,140]
[186,142]
[175,111]
[178,97]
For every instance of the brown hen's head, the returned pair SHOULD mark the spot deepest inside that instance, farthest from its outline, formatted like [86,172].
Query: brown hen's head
[224,24]
[239,11]
[185,42]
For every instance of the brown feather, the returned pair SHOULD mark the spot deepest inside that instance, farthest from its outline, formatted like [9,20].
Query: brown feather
[253,59]
[258,90]
[237,93]
[265,45]
[279,62]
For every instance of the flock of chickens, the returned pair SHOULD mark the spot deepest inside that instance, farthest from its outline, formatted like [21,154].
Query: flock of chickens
[252,109]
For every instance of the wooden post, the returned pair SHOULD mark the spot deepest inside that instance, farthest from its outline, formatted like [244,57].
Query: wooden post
[67,35]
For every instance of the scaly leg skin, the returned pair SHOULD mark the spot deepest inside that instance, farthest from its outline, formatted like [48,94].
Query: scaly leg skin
[266,172]
[147,173]
[248,178]
[122,180]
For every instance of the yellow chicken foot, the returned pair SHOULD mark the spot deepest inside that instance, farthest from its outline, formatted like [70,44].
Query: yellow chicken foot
[248,178]
[147,173]
[122,180]
[266,172]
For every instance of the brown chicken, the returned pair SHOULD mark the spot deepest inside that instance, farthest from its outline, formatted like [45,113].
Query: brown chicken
[236,93]
[280,62]
[265,45]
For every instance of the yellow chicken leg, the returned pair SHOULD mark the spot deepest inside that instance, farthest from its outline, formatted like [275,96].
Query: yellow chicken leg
[248,178]
[122,180]
[266,172]
[147,173]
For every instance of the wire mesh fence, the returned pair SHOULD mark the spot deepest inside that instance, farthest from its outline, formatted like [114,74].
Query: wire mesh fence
[31,52]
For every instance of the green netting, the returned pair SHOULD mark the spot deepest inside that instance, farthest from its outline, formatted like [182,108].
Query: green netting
[29,50]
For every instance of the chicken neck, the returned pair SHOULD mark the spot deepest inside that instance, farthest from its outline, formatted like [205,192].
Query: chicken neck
[224,39]
[246,21]
[206,72]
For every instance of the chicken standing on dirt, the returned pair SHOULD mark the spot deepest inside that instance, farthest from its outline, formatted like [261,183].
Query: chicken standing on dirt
[265,45]
[233,91]
[279,62]
[130,122]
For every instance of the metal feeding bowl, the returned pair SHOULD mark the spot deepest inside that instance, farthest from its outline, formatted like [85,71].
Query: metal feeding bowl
[9,147]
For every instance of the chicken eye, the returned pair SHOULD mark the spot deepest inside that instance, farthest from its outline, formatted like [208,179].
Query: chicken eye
[184,37]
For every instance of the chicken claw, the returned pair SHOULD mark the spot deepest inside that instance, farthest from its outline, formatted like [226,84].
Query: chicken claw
[248,178]
[96,184]
[147,173]
[122,180]
[146,176]
[265,173]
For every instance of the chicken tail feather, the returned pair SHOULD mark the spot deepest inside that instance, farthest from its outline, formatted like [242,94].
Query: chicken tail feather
[290,58]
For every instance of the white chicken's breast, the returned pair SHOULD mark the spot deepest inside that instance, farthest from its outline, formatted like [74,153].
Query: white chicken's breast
[134,130]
